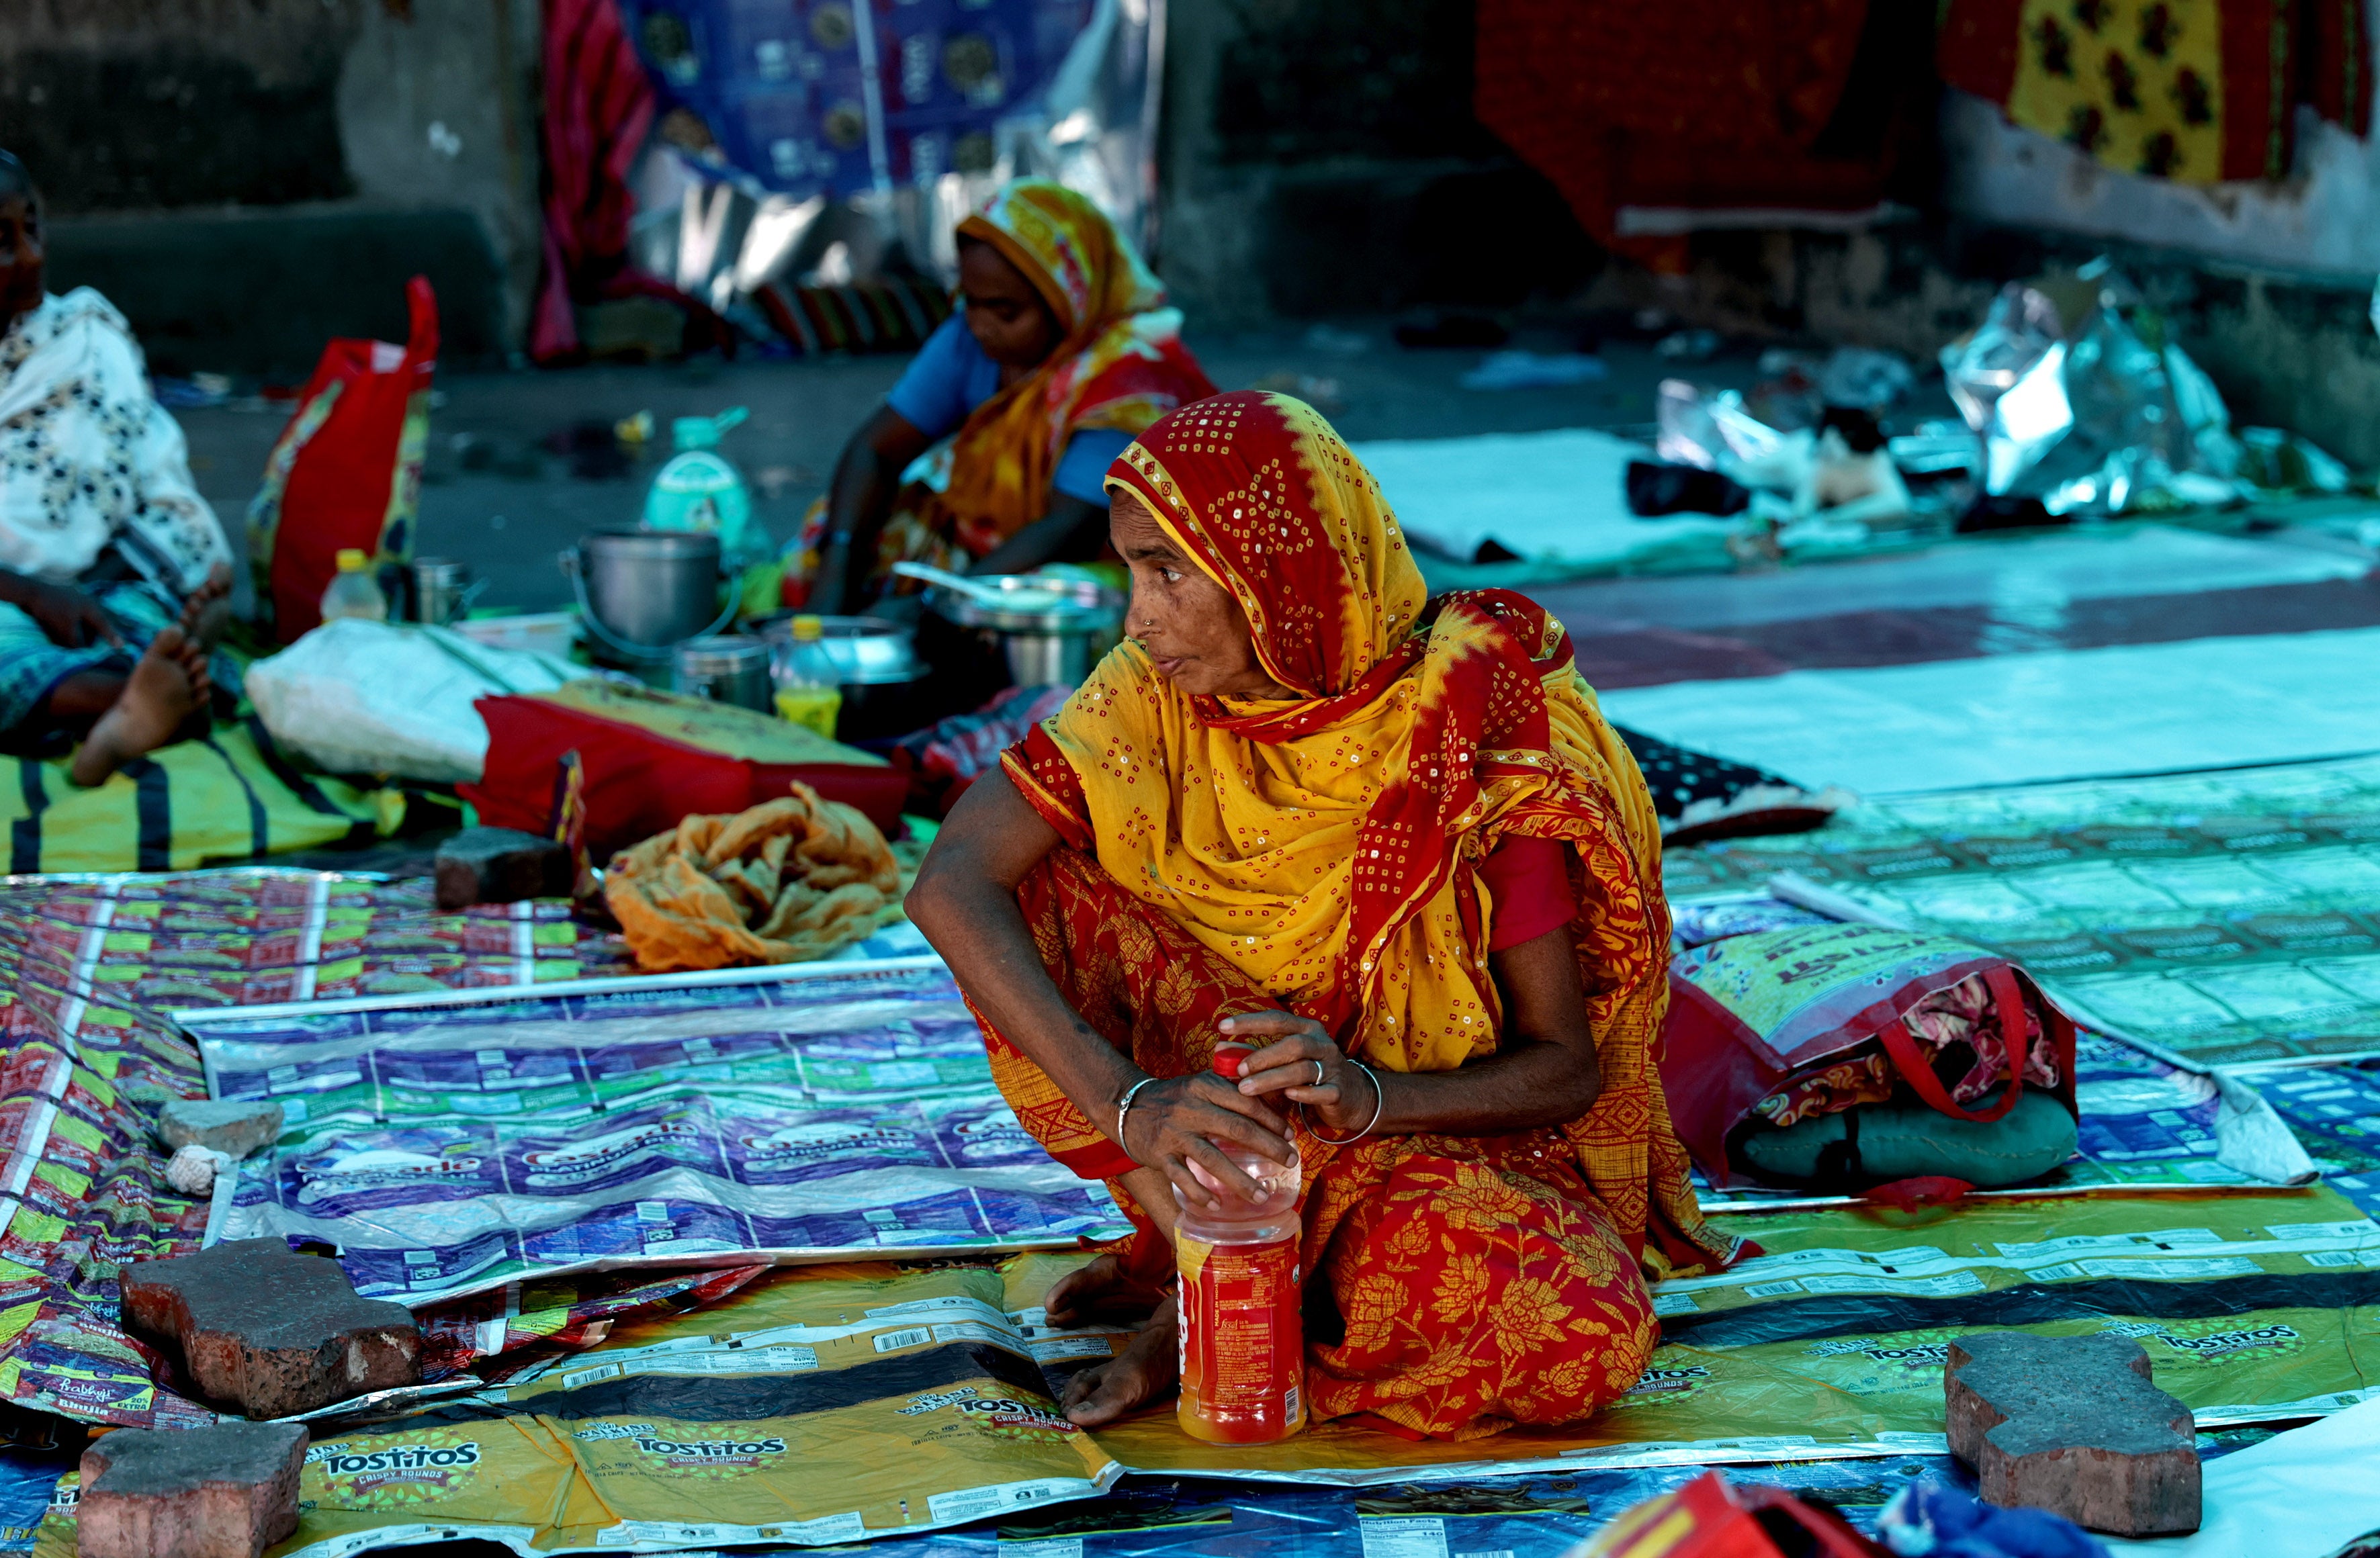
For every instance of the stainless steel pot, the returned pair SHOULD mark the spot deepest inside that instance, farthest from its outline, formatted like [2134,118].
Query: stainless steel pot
[729,668]
[1050,629]
[643,592]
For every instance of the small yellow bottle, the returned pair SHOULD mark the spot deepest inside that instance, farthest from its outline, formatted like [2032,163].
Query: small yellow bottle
[353,591]
[808,685]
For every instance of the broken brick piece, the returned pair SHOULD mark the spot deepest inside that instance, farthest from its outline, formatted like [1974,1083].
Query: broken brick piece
[269,1332]
[502,866]
[234,1126]
[225,1492]
[2072,1425]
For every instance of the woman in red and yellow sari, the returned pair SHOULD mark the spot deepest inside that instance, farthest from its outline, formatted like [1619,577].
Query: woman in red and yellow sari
[1392,842]
[990,452]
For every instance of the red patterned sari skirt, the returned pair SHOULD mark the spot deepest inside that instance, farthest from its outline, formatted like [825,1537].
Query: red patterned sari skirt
[1478,1282]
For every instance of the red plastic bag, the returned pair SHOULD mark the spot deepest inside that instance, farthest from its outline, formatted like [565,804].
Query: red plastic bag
[637,782]
[346,471]
[1710,1517]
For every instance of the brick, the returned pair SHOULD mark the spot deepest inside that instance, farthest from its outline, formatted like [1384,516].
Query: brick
[268,1332]
[225,1492]
[230,1126]
[502,866]
[2072,1425]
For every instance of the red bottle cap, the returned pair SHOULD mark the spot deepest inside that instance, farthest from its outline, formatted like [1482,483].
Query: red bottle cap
[1231,1059]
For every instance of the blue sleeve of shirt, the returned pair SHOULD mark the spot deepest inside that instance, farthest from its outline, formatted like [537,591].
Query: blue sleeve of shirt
[1083,470]
[948,377]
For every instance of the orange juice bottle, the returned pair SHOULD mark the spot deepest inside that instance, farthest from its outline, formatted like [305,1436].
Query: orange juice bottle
[1243,1333]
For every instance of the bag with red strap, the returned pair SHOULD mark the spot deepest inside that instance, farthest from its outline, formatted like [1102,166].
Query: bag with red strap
[1841,1057]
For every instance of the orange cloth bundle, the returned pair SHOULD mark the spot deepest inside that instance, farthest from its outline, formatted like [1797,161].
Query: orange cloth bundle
[783,883]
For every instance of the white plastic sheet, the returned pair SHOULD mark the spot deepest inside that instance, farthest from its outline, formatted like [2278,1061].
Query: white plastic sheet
[1551,497]
[363,697]
[2300,1494]
[2205,703]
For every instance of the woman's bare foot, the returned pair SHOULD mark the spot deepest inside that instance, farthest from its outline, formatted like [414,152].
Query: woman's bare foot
[1100,1293]
[167,689]
[208,611]
[1148,1367]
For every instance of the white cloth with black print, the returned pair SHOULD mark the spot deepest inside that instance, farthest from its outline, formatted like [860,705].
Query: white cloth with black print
[89,458]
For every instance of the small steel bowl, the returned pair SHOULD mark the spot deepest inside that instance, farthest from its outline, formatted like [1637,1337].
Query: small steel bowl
[867,651]
[1080,606]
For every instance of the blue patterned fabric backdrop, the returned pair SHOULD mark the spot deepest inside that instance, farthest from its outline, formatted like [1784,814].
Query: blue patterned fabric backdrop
[836,97]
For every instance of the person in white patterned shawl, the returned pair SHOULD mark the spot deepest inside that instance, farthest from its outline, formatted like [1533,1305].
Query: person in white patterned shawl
[114,571]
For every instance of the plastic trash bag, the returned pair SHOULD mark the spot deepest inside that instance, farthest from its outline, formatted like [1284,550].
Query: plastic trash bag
[1936,448]
[2104,417]
[2279,461]
[364,697]
[1865,378]
[2018,331]
[1711,428]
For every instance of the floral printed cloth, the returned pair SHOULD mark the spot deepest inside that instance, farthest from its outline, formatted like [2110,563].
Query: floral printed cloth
[87,458]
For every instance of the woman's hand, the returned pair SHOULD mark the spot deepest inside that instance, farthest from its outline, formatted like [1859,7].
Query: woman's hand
[1302,1065]
[1177,1122]
[65,615]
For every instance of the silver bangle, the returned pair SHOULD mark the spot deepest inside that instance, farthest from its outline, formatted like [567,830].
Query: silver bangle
[1124,1107]
[1379,1105]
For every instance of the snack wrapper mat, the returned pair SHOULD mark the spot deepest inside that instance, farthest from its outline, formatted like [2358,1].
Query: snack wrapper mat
[835,1405]
[2215,920]
[88,965]
[449,1144]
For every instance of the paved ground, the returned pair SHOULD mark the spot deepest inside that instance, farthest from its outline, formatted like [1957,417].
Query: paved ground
[502,491]
[521,463]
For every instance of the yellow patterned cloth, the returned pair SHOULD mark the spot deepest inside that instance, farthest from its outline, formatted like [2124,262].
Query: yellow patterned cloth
[2199,92]
[2136,83]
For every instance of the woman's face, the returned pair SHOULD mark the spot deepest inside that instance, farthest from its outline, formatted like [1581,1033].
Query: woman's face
[1007,316]
[21,256]
[1195,633]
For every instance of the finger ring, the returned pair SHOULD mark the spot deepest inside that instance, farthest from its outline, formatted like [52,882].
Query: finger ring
[1318,1073]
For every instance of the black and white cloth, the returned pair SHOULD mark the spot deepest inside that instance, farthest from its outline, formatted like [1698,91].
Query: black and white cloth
[1698,796]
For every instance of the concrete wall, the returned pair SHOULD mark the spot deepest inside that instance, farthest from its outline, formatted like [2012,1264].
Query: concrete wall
[1320,157]
[247,177]
[2323,219]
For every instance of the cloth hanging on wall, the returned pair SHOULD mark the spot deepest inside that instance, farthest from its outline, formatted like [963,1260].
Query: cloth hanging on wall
[2198,92]
[1702,106]
[598,109]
